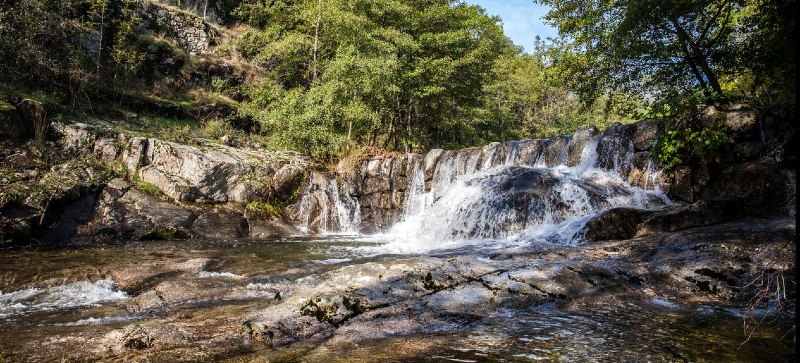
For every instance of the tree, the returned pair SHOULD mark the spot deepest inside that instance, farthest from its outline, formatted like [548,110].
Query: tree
[68,46]
[394,74]
[655,48]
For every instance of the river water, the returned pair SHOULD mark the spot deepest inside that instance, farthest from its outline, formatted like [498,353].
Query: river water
[475,205]
[61,292]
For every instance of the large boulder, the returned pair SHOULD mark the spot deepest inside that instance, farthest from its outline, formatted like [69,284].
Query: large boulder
[213,173]
[124,212]
[11,125]
[646,134]
[75,137]
[221,224]
[615,224]
[189,30]
[765,188]
[627,223]
[22,119]
[578,143]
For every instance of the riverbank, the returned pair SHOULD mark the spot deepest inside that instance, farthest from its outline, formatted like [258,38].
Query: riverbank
[158,258]
[303,300]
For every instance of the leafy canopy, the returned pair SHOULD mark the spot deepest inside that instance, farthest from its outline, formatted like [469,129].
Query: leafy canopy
[669,50]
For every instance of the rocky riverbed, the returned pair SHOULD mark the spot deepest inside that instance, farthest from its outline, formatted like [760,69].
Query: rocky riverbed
[673,296]
[125,247]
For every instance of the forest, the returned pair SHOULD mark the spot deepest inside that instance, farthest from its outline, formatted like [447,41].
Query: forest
[397,181]
[327,77]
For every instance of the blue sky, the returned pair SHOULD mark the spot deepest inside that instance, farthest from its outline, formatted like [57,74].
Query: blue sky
[521,19]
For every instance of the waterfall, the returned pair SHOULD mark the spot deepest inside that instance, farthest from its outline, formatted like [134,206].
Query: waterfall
[513,192]
[328,209]
[516,202]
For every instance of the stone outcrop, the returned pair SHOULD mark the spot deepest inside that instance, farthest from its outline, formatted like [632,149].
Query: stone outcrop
[172,191]
[627,223]
[756,165]
[371,193]
[189,30]
[212,173]
[315,312]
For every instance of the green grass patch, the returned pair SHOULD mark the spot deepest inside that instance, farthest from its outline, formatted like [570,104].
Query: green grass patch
[264,209]
[151,189]
[5,106]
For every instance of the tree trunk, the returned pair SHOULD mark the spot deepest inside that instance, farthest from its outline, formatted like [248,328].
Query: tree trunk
[699,77]
[713,81]
[696,59]
[316,42]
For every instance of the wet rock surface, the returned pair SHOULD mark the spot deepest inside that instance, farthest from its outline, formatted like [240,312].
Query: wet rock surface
[729,244]
[179,312]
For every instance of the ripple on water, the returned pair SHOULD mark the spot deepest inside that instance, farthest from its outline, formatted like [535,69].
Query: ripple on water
[77,294]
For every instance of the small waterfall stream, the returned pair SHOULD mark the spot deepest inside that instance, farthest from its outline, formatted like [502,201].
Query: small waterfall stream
[501,193]
[513,201]
[327,208]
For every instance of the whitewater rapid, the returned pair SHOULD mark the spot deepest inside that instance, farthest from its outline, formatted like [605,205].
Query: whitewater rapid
[485,199]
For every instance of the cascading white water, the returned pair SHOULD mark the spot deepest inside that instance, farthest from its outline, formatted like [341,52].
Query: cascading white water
[328,209]
[77,294]
[514,202]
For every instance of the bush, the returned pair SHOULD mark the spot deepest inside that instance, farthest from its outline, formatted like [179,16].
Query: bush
[264,209]
[214,129]
[682,146]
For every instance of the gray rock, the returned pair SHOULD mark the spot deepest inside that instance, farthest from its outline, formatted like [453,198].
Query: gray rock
[577,144]
[214,173]
[741,121]
[615,224]
[430,160]
[11,125]
[702,213]
[614,146]
[220,225]
[646,134]
[134,154]
[286,181]
[76,137]
[765,188]
[529,151]
[747,151]
[555,152]
[260,227]
[106,149]
[678,183]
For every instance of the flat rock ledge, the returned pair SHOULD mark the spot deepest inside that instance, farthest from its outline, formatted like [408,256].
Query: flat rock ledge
[290,315]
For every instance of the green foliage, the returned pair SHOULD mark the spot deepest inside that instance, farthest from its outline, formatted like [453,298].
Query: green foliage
[392,74]
[264,209]
[72,46]
[5,106]
[681,146]
[34,187]
[663,50]
[151,189]
[214,129]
